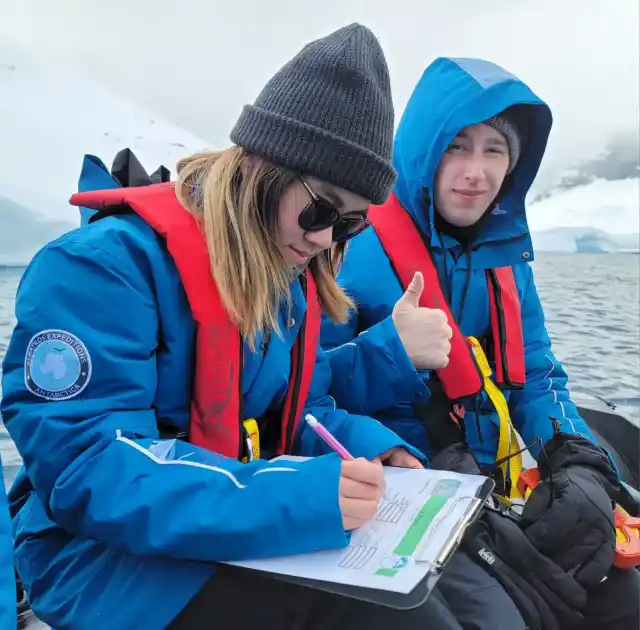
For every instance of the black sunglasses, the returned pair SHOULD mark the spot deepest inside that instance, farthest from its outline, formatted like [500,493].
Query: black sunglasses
[320,214]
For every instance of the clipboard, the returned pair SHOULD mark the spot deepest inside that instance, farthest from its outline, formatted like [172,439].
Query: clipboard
[393,599]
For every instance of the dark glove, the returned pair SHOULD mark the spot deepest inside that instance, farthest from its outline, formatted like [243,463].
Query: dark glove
[547,597]
[457,458]
[569,517]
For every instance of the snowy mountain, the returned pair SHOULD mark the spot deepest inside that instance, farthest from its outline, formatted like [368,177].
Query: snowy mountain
[50,118]
[23,232]
[610,206]
[594,206]
[620,160]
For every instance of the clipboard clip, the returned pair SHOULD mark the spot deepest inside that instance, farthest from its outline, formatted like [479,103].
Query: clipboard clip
[458,532]
[482,498]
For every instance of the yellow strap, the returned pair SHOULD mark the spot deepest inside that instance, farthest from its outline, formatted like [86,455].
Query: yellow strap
[253,446]
[508,438]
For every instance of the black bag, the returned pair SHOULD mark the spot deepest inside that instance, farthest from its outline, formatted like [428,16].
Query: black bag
[547,597]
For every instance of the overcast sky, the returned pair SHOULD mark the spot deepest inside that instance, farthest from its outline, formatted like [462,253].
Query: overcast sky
[196,62]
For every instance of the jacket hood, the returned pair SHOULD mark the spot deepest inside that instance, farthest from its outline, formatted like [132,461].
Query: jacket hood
[94,175]
[126,171]
[453,94]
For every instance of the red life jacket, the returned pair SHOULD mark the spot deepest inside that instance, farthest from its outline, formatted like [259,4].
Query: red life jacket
[403,244]
[216,407]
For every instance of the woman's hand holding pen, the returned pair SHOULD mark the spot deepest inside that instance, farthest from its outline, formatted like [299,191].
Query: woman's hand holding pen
[361,481]
[360,490]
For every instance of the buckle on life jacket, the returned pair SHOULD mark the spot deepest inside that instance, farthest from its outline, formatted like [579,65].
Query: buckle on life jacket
[251,435]
[457,415]
[498,503]
[443,420]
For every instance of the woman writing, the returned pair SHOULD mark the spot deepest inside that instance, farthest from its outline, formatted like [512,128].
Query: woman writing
[194,309]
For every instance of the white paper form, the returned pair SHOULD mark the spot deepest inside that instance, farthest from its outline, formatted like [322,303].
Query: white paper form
[418,518]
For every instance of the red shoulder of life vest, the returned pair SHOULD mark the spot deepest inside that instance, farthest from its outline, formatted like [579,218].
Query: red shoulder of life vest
[216,407]
[403,243]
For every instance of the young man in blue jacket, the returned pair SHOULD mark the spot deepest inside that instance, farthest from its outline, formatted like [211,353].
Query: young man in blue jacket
[467,150]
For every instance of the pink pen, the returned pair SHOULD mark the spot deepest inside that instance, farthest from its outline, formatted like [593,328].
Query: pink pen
[314,423]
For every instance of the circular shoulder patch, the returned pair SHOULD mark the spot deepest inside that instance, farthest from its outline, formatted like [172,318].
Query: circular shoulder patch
[57,365]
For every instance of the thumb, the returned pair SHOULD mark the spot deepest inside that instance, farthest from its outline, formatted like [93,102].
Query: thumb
[414,290]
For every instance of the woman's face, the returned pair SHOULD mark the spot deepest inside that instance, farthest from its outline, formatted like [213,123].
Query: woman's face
[315,200]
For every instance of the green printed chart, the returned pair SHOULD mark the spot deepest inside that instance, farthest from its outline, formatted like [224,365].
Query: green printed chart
[408,544]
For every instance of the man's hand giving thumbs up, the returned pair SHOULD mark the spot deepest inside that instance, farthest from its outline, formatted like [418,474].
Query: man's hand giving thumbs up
[424,332]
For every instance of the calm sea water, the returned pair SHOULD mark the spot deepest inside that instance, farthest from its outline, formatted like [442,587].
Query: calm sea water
[592,303]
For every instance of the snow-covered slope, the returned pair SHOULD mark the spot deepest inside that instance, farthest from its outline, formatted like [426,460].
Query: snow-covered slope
[23,232]
[611,206]
[50,117]
[607,211]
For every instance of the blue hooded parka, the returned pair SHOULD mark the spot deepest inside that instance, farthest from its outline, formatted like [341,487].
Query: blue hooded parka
[372,371]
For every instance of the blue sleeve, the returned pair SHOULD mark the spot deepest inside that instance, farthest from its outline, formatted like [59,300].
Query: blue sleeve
[92,453]
[371,371]
[361,435]
[8,619]
[545,393]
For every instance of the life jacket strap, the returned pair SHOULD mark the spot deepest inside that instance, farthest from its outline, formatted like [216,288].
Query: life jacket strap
[217,421]
[508,447]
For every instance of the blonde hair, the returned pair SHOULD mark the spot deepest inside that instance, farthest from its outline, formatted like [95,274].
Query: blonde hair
[234,195]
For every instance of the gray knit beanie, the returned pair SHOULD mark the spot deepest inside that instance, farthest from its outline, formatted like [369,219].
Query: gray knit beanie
[511,134]
[328,112]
